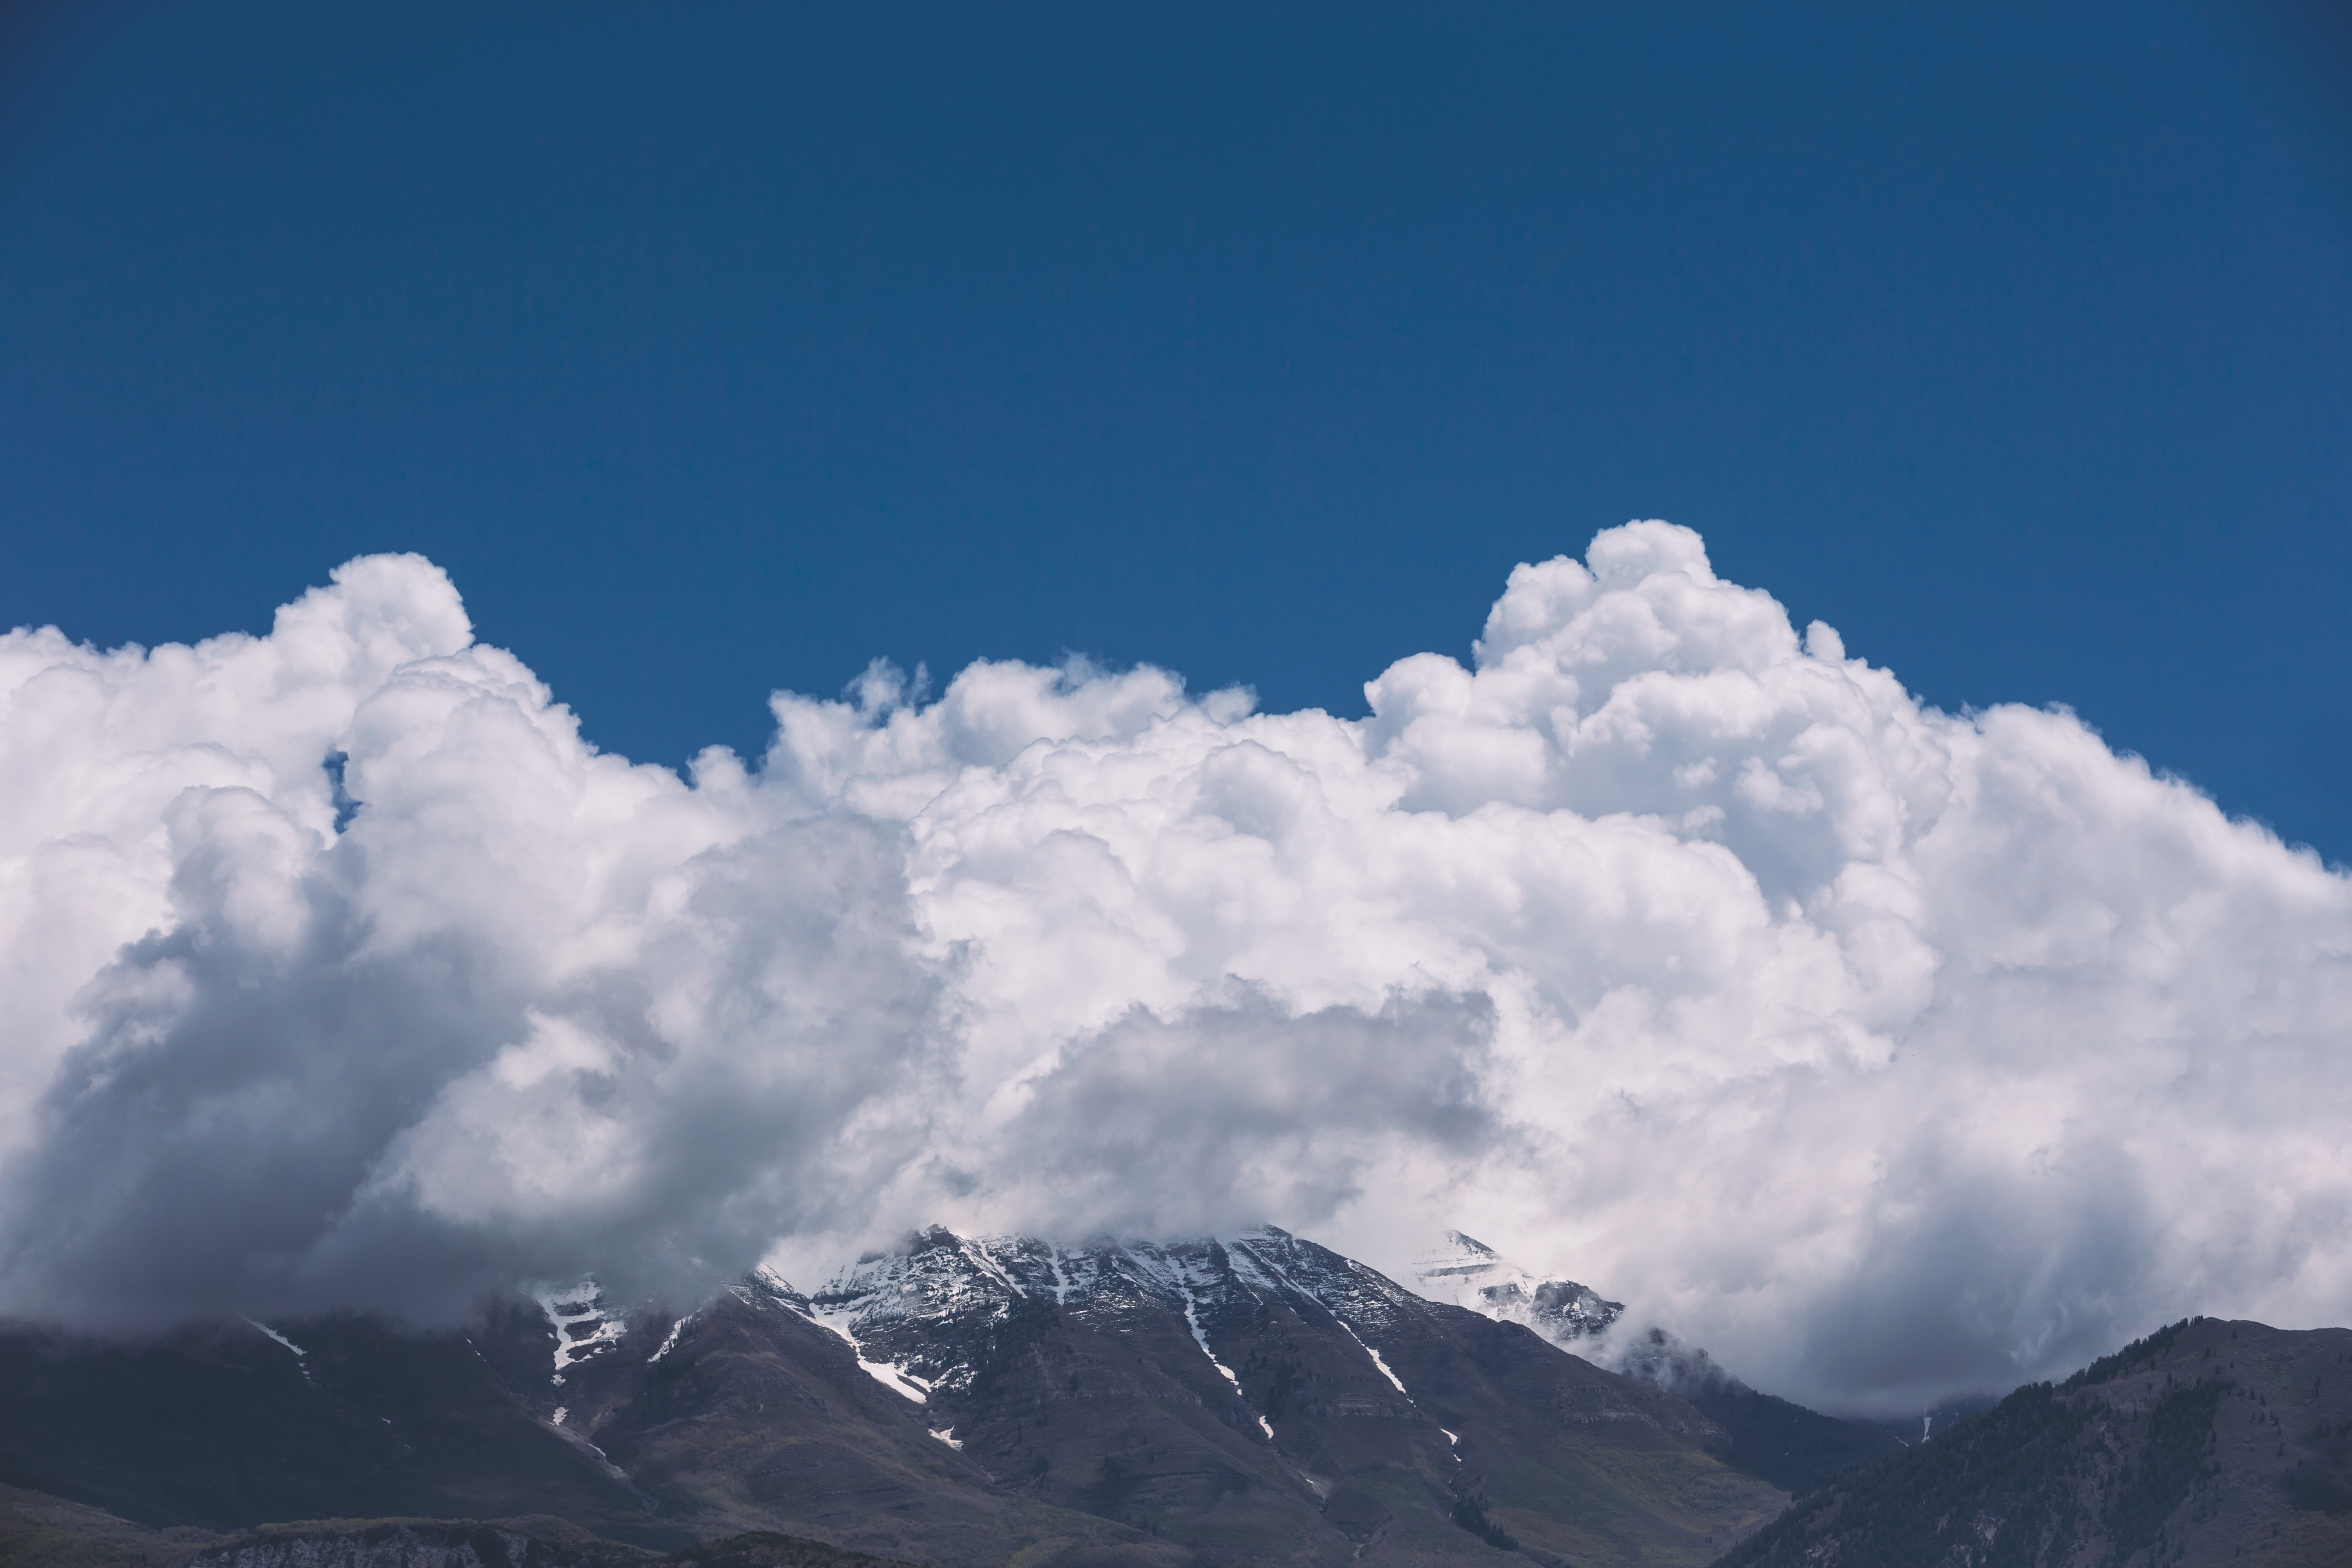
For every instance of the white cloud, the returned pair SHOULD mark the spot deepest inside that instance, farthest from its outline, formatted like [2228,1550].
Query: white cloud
[1884,1051]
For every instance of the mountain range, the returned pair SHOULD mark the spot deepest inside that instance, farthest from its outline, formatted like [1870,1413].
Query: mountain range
[950,1400]
[965,1401]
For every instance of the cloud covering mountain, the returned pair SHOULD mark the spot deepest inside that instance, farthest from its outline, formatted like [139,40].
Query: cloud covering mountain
[1886,1052]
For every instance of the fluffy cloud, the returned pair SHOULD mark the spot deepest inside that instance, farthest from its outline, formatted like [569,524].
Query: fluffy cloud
[532,1006]
[1884,1051]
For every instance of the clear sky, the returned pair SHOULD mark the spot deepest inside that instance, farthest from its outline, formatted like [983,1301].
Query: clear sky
[721,348]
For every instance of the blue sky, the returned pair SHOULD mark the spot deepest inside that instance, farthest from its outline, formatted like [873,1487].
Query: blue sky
[721,349]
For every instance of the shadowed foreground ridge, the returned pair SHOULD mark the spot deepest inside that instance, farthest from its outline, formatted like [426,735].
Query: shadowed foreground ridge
[511,1543]
[38,1531]
[2208,1442]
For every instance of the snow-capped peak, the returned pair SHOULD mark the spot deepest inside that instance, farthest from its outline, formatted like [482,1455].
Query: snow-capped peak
[1463,1272]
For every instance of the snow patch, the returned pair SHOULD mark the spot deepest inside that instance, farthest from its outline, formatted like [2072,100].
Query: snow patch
[1375,1355]
[947,1434]
[978,1253]
[889,1375]
[1061,1280]
[301,1356]
[300,1353]
[560,1412]
[1254,1272]
[583,1304]
[674,1330]
[1201,1338]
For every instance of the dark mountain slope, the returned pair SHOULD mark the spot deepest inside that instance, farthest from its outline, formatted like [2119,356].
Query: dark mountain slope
[225,1426]
[1785,1444]
[426,1543]
[1565,1458]
[2209,1442]
[41,1531]
[38,1531]
[506,1543]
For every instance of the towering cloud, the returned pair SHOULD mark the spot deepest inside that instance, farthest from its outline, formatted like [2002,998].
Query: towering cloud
[1886,1052]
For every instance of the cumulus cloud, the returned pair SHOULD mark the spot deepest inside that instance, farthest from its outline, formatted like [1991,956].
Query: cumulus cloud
[533,1005]
[1888,1052]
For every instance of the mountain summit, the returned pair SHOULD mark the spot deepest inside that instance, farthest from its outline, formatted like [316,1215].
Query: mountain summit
[1469,1273]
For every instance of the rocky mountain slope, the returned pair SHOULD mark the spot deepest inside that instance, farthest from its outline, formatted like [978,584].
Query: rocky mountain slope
[1256,1400]
[1266,1390]
[2207,1443]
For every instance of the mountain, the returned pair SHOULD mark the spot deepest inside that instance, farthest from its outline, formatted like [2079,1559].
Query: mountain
[1469,1273]
[1209,1404]
[1266,1397]
[950,1400]
[1766,1436]
[2208,1442]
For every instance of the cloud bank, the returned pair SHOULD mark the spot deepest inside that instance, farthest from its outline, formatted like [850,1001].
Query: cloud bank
[1887,1053]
